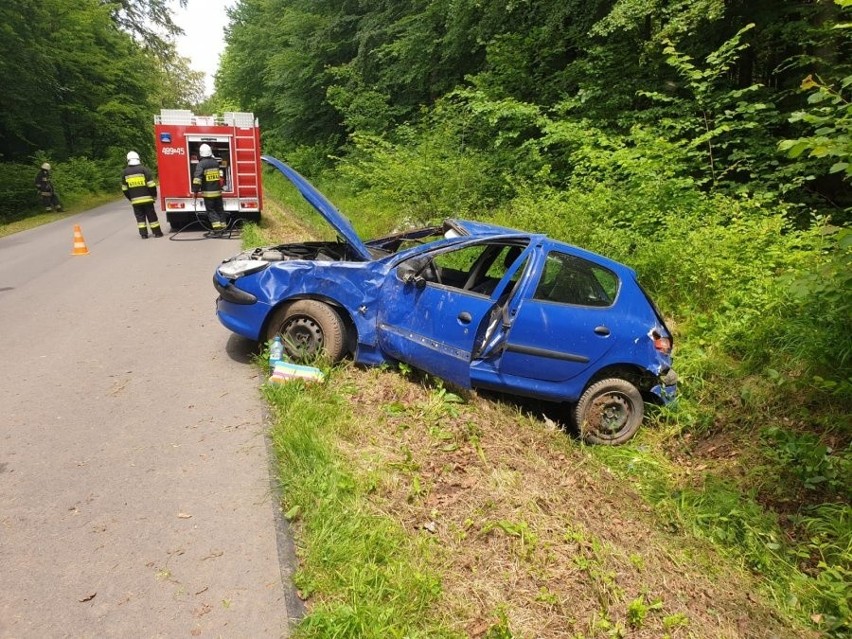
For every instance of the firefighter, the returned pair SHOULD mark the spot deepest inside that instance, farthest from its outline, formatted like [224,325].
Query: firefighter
[44,186]
[207,180]
[139,186]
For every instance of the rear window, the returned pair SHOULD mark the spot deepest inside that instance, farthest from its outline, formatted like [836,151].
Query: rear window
[568,279]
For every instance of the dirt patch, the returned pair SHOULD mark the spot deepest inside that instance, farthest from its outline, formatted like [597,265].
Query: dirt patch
[526,527]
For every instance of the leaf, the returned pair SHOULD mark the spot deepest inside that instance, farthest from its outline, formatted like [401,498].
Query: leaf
[293,513]
[808,83]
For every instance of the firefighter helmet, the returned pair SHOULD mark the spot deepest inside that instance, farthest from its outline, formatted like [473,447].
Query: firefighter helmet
[133,158]
[45,166]
[205,151]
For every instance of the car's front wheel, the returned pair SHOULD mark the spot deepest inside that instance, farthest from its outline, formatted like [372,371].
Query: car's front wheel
[609,412]
[309,329]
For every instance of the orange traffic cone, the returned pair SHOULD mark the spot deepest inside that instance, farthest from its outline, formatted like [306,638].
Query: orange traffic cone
[79,243]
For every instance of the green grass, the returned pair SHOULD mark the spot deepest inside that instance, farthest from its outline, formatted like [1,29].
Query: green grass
[365,576]
[713,508]
[33,220]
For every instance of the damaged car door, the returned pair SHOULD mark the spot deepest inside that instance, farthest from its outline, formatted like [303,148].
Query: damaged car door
[437,309]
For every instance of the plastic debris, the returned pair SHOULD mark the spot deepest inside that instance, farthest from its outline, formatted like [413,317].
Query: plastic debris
[286,371]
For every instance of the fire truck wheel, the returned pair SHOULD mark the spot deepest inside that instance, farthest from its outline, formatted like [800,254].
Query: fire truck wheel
[309,329]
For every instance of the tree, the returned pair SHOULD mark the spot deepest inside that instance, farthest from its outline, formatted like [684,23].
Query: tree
[144,20]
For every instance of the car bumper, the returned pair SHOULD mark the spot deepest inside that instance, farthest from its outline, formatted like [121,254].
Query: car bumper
[231,293]
[239,311]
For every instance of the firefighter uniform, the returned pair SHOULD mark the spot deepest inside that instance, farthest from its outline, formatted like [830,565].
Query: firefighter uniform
[207,180]
[46,191]
[139,186]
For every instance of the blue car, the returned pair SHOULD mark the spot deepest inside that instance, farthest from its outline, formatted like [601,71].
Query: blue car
[478,305]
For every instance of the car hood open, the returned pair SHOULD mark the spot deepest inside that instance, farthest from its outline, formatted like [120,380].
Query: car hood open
[322,206]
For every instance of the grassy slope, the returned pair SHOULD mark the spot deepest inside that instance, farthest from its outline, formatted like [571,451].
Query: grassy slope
[527,532]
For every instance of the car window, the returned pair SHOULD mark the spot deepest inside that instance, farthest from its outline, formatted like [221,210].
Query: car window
[568,279]
[455,266]
[477,268]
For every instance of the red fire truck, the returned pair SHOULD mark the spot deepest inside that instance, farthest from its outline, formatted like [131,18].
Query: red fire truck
[235,140]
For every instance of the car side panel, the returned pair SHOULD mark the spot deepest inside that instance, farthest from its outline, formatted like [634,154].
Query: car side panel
[432,328]
[555,342]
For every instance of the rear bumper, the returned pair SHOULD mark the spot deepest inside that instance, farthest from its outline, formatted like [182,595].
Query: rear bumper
[191,205]
[666,390]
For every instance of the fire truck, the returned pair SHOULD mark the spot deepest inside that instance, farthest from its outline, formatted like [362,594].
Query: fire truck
[235,140]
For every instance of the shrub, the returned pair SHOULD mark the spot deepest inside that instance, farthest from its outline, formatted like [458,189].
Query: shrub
[17,191]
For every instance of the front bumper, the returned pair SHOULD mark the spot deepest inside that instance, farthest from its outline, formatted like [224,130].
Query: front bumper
[239,311]
[232,294]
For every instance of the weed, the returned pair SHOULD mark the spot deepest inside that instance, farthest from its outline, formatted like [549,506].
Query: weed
[546,596]
[501,629]
[638,609]
[637,560]
[677,620]
[527,539]
[802,458]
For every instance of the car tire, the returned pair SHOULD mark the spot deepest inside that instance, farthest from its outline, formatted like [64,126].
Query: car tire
[309,329]
[609,412]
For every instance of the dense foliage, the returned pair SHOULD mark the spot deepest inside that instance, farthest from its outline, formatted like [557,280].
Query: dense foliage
[704,142]
[720,79]
[82,79]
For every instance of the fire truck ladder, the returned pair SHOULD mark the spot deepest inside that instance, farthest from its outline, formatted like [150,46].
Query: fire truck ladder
[245,175]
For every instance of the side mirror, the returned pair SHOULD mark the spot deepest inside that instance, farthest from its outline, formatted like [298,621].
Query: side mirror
[410,273]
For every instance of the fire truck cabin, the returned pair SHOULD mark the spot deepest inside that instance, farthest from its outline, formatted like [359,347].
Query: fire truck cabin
[235,140]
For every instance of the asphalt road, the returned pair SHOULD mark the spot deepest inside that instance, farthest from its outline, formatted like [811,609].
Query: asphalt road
[135,490]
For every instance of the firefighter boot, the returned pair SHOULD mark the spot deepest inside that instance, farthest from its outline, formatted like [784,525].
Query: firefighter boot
[156,230]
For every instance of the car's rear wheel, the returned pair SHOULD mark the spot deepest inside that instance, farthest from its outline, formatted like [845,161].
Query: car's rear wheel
[309,329]
[609,412]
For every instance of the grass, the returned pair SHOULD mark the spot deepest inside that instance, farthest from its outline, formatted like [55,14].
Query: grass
[516,530]
[419,512]
[363,574]
[34,220]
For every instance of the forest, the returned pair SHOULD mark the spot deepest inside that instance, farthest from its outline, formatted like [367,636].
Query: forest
[705,143]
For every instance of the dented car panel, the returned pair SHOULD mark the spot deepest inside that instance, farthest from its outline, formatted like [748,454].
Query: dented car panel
[476,304]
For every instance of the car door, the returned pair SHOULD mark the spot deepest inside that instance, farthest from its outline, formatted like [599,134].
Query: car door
[561,326]
[428,319]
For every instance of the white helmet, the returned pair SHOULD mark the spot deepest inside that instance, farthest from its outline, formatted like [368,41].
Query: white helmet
[133,158]
[45,166]
[205,151]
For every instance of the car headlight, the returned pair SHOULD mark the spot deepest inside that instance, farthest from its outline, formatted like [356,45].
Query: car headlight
[239,268]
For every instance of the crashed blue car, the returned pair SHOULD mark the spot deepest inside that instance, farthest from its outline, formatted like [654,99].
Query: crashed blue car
[478,305]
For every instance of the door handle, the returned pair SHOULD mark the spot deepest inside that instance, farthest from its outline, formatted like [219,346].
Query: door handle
[465,317]
[602,330]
